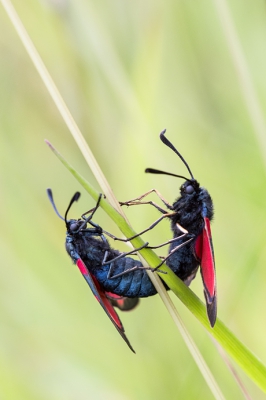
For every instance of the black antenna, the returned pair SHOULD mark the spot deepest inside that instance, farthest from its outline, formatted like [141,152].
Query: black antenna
[157,171]
[169,144]
[74,198]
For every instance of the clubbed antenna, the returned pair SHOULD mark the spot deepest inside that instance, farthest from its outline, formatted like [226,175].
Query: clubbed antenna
[74,198]
[169,144]
[157,171]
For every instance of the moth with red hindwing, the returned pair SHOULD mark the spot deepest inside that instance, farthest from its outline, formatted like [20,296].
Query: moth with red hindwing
[114,278]
[190,218]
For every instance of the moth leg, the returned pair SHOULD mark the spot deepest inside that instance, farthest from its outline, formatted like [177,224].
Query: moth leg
[166,215]
[173,251]
[112,265]
[181,229]
[122,255]
[91,212]
[137,201]
[137,268]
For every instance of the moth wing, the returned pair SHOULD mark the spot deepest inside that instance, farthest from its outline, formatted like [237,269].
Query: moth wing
[204,252]
[123,303]
[100,295]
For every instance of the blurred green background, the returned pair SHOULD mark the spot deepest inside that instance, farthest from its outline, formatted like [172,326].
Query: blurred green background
[126,70]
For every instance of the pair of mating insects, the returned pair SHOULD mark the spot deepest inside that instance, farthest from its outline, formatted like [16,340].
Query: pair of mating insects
[118,280]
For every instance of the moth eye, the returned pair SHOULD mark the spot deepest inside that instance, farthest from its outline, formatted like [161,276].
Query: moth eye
[189,189]
[73,227]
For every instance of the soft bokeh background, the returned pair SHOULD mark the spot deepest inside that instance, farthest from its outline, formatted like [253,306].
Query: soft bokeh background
[126,70]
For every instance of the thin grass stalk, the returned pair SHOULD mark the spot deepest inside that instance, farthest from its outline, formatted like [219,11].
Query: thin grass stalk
[232,370]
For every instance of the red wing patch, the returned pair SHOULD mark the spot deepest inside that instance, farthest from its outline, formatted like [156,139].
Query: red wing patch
[205,255]
[123,303]
[100,295]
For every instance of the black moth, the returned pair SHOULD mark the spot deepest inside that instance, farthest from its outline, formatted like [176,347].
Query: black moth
[190,217]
